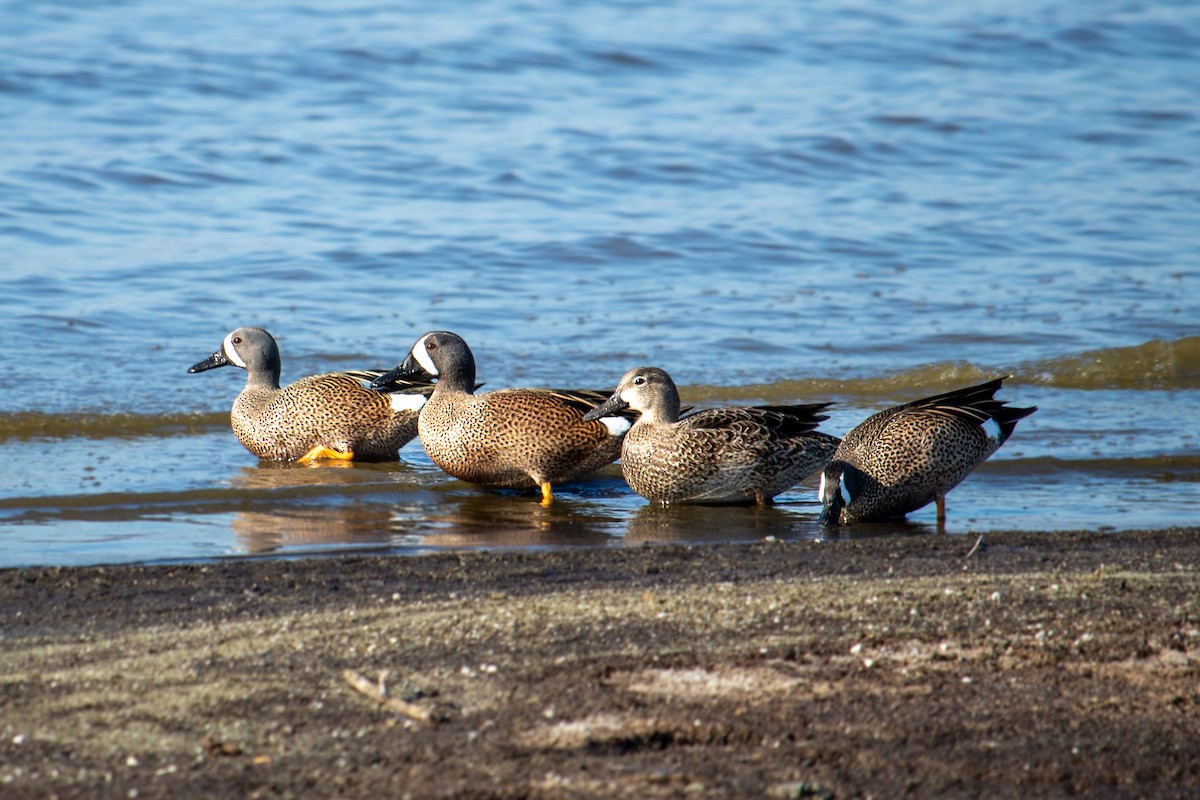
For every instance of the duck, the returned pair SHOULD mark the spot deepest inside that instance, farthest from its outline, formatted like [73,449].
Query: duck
[335,415]
[905,457]
[734,454]
[521,438]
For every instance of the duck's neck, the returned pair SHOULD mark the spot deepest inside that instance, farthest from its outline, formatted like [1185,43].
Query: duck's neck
[459,379]
[263,380]
[262,385]
[660,415]
[666,410]
[264,373]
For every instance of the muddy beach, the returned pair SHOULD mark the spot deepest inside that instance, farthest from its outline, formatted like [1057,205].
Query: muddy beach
[1022,665]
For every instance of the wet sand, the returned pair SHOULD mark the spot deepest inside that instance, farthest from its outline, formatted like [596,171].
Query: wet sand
[1033,665]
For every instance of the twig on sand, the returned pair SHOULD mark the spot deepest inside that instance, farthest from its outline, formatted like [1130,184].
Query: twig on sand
[217,747]
[363,685]
[974,547]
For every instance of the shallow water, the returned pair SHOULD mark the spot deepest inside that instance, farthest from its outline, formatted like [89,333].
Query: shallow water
[775,204]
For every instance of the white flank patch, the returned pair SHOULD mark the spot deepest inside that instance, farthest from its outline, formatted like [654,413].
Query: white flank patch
[231,353]
[616,425]
[407,402]
[422,356]
[992,429]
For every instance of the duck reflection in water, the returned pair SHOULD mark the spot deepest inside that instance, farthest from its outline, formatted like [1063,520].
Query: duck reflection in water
[468,518]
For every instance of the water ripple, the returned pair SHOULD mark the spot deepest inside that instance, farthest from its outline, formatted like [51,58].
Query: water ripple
[865,201]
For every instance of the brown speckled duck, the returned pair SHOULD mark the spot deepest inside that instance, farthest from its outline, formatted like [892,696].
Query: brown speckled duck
[716,455]
[513,438]
[334,415]
[905,457]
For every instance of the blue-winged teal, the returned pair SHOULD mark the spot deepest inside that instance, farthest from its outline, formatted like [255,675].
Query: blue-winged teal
[514,438]
[905,457]
[334,415]
[717,455]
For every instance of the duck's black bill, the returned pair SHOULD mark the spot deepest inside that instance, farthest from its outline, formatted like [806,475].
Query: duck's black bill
[609,407]
[408,369]
[831,513]
[217,359]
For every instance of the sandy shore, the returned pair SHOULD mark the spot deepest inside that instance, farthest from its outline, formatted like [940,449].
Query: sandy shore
[1036,666]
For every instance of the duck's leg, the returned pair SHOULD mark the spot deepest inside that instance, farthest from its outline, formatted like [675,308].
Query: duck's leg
[321,451]
[547,493]
[941,510]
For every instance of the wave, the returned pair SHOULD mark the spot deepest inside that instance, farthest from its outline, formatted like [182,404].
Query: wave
[1153,366]
[130,505]
[38,425]
[1155,468]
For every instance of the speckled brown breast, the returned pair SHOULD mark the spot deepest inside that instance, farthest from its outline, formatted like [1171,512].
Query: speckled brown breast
[720,456]
[517,438]
[333,410]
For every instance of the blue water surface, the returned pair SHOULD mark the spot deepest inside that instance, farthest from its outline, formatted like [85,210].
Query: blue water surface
[744,194]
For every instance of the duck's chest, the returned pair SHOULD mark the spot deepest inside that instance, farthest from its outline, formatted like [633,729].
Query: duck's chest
[450,421]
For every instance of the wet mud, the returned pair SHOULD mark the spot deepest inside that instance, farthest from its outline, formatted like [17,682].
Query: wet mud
[1022,665]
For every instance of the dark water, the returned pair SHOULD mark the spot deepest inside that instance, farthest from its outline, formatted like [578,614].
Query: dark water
[866,203]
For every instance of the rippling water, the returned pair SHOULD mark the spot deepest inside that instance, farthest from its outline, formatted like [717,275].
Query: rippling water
[775,202]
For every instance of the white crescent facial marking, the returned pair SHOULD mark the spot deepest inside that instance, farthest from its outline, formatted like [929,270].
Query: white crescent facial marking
[407,402]
[821,488]
[992,429]
[231,353]
[842,488]
[616,425]
[422,356]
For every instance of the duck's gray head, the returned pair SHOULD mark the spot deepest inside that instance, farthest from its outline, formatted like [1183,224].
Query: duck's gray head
[437,354]
[838,482]
[648,391]
[252,349]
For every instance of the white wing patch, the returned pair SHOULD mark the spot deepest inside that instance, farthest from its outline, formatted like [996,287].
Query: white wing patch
[617,426]
[231,352]
[407,402]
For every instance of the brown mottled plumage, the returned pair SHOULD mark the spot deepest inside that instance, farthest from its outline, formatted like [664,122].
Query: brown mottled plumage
[334,415]
[516,438]
[717,455]
[905,457]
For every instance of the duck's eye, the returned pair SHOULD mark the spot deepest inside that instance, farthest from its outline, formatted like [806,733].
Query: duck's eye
[431,345]
[236,340]
[639,381]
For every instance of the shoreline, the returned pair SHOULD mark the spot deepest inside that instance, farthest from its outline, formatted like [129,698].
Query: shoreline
[1036,664]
